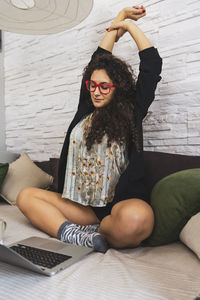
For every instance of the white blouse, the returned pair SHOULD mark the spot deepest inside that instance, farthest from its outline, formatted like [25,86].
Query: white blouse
[91,176]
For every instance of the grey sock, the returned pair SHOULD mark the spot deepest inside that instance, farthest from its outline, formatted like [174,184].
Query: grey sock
[99,243]
[83,236]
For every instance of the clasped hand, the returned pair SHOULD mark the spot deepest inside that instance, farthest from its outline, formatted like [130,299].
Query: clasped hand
[132,13]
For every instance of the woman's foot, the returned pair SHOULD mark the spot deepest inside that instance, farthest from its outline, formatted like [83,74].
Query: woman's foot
[83,236]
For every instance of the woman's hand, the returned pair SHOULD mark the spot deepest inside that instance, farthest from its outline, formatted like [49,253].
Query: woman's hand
[121,27]
[134,13]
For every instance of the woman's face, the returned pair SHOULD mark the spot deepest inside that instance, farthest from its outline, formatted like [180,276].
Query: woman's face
[101,96]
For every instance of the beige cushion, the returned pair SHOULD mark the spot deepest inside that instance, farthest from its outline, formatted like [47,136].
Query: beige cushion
[23,173]
[190,234]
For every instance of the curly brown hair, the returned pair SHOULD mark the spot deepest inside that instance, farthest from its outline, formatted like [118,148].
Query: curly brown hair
[116,119]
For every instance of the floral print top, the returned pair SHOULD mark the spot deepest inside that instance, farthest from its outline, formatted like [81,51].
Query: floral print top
[91,176]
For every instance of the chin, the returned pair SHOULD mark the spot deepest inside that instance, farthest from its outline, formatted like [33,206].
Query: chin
[98,105]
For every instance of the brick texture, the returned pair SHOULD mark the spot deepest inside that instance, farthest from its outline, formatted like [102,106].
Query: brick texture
[43,76]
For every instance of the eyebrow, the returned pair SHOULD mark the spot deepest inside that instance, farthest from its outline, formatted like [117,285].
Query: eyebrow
[102,82]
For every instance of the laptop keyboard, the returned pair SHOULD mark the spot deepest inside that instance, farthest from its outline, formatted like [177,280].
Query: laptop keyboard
[40,257]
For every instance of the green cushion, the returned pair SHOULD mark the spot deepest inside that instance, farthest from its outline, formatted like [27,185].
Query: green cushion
[3,171]
[174,199]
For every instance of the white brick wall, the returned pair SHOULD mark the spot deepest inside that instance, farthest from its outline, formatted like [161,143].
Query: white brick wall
[2,108]
[43,75]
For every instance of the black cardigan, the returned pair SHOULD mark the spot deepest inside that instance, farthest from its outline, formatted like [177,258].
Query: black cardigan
[131,182]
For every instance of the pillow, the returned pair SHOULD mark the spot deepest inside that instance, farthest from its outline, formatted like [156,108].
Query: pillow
[23,173]
[174,199]
[190,234]
[3,171]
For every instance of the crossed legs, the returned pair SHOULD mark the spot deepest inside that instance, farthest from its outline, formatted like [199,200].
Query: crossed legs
[130,221]
[48,210]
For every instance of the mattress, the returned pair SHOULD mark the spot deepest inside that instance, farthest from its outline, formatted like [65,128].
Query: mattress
[165,272]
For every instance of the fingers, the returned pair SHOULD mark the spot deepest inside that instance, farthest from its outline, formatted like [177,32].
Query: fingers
[139,9]
[140,15]
[135,13]
[117,25]
[140,12]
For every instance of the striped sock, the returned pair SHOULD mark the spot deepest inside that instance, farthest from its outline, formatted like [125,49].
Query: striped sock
[89,228]
[82,236]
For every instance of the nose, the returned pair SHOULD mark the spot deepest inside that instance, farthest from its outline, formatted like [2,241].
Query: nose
[97,91]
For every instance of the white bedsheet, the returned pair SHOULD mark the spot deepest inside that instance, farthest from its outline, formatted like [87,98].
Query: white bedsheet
[167,272]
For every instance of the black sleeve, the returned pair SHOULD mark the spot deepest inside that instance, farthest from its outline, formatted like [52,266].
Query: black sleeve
[131,182]
[149,75]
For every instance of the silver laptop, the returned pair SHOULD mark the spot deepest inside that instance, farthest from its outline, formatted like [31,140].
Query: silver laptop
[42,255]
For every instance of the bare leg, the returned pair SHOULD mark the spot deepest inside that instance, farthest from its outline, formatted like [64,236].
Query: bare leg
[48,210]
[130,222]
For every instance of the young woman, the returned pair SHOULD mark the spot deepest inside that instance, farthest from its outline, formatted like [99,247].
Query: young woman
[101,196]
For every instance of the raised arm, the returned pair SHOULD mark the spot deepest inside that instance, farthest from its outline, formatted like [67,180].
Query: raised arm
[137,34]
[150,66]
[107,43]
[119,26]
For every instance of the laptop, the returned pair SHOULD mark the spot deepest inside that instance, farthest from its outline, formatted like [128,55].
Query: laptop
[42,255]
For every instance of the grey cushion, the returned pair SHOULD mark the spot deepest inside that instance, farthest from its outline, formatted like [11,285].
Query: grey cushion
[8,157]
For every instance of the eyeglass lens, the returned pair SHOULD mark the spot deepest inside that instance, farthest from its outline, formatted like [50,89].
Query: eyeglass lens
[104,88]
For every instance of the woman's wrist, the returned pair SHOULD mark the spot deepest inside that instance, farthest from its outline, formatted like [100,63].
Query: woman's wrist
[124,25]
[121,16]
[130,25]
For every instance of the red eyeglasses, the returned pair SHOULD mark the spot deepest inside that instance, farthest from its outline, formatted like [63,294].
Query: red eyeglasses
[104,88]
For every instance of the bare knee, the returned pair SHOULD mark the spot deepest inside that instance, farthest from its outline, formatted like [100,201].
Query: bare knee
[24,196]
[137,221]
[130,223]
[134,216]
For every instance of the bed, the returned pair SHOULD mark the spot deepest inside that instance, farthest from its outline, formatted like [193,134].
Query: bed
[165,272]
